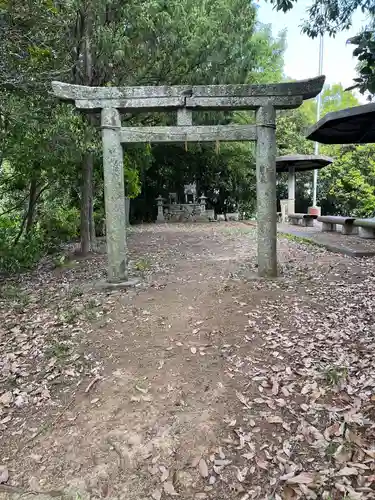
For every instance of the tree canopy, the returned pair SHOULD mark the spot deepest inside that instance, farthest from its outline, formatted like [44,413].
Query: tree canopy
[53,154]
[51,186]
[332,16]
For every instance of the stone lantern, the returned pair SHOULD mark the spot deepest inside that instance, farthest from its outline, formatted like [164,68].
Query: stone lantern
[160,201]
[202,200]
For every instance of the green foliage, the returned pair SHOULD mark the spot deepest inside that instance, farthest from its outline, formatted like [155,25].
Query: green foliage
[291,127]
[22,255]
[335,374]
[60,225]
[299,239]
[142,265]
[131,174]
[348,186]
[152,42]
[333,16]
[365,52]
[51,230]
[333,98]
[57,350]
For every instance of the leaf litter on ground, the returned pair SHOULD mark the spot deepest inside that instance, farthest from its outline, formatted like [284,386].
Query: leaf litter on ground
[304,423]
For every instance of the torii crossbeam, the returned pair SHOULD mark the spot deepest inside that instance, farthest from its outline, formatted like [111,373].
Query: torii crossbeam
[264,99]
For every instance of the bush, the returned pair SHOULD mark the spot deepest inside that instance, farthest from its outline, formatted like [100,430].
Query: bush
[23,255]
[59,225]
[99,219]
[55,226]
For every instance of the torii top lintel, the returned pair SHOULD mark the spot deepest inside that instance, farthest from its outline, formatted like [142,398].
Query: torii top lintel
[280,95]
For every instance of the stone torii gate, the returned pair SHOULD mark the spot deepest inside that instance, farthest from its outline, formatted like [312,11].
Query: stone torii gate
[264,99]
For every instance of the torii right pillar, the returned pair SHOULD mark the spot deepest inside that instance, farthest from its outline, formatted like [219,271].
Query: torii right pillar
[266,191]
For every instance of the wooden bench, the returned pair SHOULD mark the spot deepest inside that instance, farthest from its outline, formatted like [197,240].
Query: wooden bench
[366,227]
[330,223]
[306,220]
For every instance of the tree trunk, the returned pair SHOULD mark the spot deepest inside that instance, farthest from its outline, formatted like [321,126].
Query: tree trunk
[28,219]
[87,215]
[33,195]
[86,202]
[92,221]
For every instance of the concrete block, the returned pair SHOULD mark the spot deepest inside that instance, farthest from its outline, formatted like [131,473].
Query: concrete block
[235,216]
[308,222]
[367,232]
[328,227]
[349,229]
[294,222]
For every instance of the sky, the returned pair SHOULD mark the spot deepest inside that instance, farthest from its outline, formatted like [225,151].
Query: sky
[302,53]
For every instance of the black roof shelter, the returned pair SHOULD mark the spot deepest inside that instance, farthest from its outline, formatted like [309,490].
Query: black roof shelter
[349,126]
[301,163]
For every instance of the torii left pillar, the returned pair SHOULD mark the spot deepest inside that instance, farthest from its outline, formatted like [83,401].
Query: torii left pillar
[114,194]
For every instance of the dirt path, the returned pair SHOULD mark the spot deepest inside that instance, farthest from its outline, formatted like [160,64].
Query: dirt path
[208,384]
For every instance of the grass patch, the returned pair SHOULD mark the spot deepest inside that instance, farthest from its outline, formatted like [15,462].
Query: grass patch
[69,316]
[90,315]
[143,265]
[14,293]
[58,350]
[63,262]
[10,292]
[331,450]
[299,239]
[76,292]
[335,374]
[245,230]
[91,304]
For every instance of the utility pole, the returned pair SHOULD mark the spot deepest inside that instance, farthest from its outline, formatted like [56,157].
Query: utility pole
[318,110]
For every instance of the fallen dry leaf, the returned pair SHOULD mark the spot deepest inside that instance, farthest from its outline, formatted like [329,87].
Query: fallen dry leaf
[347,471]
[203,469]
[262,464]
[4,474]
[303,478]
[156,494]
[169,489]
[241,474]
[274,420]
[243,399]
[6,398]
[343,454]
[164,473]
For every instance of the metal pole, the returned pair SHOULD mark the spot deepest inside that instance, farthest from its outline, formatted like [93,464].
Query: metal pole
[318,109]
[291,191]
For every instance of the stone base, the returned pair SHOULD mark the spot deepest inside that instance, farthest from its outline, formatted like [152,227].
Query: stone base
[367,233]
[201,218]
[254,276]
[308,222]
[328,227]
[235,216]
[118,285]
[349,229]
